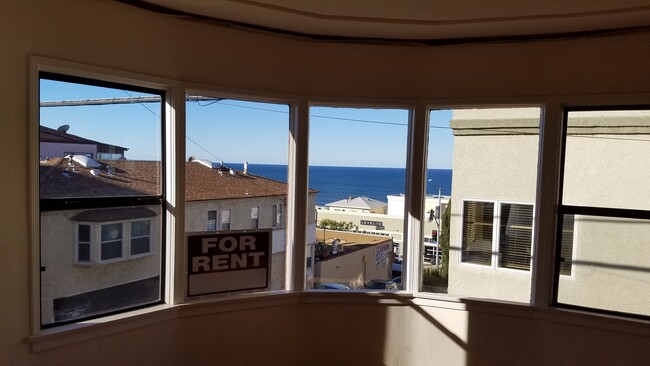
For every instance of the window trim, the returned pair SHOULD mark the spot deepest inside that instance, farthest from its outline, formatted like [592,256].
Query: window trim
[95,243]
[546,195]
[462,237]
[99,76]
[563,209]
[496,234]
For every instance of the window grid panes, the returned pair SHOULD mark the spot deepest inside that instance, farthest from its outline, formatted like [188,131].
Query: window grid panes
[478,219]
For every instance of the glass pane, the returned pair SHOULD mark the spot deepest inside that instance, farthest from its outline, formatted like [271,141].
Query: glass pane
[71,292]
[84,233]
[84,252]
[237,154]
[96,142]
[111,250]
[610,265]
[608,152]
[140,228]
[478,220]
[481,185]
[357,163]
[139,246]
[515,236]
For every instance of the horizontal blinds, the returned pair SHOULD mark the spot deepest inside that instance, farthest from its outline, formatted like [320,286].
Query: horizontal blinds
[516,228]
[477,232]
[566,250]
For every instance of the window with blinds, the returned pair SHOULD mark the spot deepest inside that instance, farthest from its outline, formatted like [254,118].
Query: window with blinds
[478,218]
[566,251]
[515,236]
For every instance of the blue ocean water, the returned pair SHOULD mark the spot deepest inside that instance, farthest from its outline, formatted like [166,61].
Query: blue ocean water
[337,183]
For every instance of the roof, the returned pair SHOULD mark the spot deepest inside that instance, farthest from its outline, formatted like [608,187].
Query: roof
[58,179]
[363,203]
[51,135]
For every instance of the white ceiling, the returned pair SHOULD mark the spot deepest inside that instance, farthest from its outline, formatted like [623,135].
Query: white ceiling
[422,19]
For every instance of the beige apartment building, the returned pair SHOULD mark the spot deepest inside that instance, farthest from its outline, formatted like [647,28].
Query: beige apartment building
[604,261]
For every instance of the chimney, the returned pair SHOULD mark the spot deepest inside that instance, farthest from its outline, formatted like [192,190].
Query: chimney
[245,167]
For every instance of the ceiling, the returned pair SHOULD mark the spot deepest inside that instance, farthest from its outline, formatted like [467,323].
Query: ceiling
[414,19]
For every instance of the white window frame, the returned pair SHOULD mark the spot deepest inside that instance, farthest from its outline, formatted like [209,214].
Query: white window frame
[216,220]
[78,243]
[101,242]
[277,215]
[226,219]
[149,236]
[496,234]
[171,240]
[255,217]
[497,244]
[96,242]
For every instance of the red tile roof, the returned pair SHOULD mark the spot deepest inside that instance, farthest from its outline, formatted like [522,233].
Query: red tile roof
[58,179]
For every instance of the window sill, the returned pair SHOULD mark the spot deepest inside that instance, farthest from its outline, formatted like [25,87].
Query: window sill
[72,333]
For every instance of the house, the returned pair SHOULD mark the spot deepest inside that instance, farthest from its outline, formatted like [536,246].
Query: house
[389,221]
[358,204]
[417,56]
[112,255]
[59,143]
[352,259]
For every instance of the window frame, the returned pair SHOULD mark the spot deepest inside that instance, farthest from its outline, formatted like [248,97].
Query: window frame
[594,211]
[49,69]
[226,219]
[497,220]
[493,235]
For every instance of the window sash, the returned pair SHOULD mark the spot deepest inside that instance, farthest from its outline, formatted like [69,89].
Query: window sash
[212,220]
[515,239]
[477,235]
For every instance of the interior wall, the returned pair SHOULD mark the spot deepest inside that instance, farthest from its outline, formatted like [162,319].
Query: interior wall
[117,36]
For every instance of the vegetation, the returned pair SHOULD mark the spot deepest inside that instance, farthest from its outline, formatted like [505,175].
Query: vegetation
[443,241]
[433,277]
[336,225]
[439,277]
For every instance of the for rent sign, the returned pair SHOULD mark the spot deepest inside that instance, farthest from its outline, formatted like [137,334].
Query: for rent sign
[228,261]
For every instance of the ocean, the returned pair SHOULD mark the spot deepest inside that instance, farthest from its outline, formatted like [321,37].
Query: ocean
[337,183]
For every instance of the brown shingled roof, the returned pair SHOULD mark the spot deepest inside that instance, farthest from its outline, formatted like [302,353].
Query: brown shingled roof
[58,179]
[139,178]
[203,183]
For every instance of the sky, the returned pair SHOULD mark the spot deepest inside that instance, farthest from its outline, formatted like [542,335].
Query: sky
[236,131]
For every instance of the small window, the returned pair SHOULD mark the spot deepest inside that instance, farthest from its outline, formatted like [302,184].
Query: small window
[225,220]
[140,237]
[515,229]
[212,220]
[255,213]
[478,219]
[111,244]
[83,243]
[566,251]
[277,215]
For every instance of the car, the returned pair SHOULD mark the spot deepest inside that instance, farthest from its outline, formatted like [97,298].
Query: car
[332,286]
[381,285]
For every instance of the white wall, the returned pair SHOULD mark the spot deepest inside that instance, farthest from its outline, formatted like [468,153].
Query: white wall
[385,331]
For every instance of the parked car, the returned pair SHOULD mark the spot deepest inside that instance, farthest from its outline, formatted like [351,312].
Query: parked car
[381,285]
[332,286]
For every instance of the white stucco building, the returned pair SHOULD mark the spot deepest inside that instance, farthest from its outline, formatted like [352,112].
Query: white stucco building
[603,261]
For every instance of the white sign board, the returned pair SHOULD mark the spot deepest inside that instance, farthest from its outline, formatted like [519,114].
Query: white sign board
[227,261]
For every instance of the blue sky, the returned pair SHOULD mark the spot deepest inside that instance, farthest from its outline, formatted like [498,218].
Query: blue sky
[237,131]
